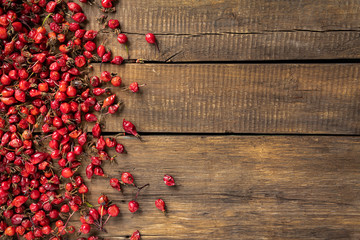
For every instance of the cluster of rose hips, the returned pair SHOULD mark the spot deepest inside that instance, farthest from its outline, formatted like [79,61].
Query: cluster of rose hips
[44,85]
[96,216]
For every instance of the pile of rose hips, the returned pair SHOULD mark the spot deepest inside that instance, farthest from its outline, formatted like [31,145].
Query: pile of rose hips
[44,86]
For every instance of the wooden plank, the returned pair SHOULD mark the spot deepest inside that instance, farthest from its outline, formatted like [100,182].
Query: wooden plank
[239,187]
[218,30]
[240,98]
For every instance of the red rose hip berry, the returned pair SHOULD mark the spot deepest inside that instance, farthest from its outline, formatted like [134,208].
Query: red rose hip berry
[133,206]
[169,180]
[150,38]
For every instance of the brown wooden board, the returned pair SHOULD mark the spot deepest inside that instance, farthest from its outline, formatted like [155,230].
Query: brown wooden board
[239,98]
[238,187]
[235,30]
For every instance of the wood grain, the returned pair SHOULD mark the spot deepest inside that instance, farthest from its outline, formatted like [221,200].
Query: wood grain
[239,187]
[218,30]
[240,98]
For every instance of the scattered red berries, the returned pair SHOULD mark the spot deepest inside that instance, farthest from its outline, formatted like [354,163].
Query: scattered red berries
[44,61]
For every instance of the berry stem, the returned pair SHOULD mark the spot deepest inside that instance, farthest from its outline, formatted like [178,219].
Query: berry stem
[67,221]
[157,46]
[105,222]
[127,50]
[139,189]
[101,215]
[46,18]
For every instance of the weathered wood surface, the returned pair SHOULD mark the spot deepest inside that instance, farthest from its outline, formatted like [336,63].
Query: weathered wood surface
[239,187]
[219,30]
[250,98]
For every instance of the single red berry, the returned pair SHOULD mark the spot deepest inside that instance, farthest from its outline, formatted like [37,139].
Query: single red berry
[116,81]
[94,213]
[96,131]
[103,199]
[105,76]
[113,23]
[80,61]
[150,38]
[117,60]
[79,17]
[19,200]
[113,210]
[109,100]
[134,87]
[114,182]
[89,171]
[74,7]
[169,180]
[133,206]
[10,231]
[83,189]
[106,3]
[122,38]
[67,173]
[101,50]
[85,228]
[119,148]
[65,208]
[160,204]
[20,230]
[130,128]
[135,235]
[3,33]
[90,35]
[106,57]
[127,177]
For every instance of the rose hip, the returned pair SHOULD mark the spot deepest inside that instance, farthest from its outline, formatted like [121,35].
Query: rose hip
[150,38]
[117,60]
[134,87]
[127,178]
[114,183]
[135,235]
[116,81]
[122,39]
[160,204]
[113,23]
[169,180]
[130,128]
[85,228]
[133,206]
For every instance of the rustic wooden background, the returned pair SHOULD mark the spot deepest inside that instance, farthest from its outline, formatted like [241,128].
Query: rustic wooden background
[253,107]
